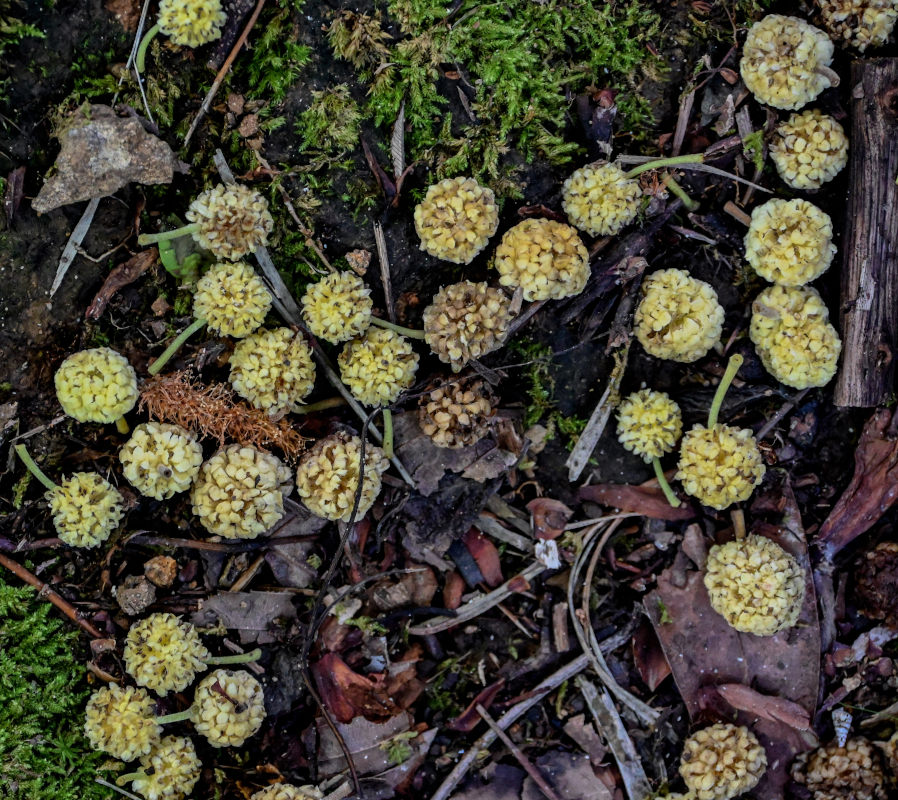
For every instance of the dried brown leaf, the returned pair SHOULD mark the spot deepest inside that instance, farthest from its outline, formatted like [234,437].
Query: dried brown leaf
[258,616]
[124,274]
[484,552]
[453,589]
[470,718]
[548,517]
[649,657]
[348,695]
[744,698]
[649,501]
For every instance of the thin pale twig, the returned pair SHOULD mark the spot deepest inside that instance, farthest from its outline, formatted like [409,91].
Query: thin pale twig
[384,258]
[70,251]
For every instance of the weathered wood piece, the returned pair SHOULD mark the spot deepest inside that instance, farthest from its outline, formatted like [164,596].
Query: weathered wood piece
[869,298]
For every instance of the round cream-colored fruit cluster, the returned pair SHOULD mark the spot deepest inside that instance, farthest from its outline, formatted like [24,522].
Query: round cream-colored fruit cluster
[240,492]
[378,366]
[780,61]
[338,307]
[160,460]
[456,414]
[859,23]
[286,791]
[164,653]
[600,199]
[232,299]
[649,423]
[96,385]
[228,707]
[328,475]
[679,317]
[86,509]
[545,258]
[169,771]
[722,761]
[755,585]
[191,23]
[836,773]
[121,721]
[809,149]
[793,336]
[466,320]
[233,221]
[456,219]
[789,242]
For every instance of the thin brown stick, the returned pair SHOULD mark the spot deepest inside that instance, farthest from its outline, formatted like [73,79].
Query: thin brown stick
[43,590]
[525,762]
[222,73]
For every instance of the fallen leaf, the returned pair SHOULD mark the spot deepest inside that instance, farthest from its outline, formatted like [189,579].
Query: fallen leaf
[548,517]
[492,464]
[348,695]
[289,562]
[416,588]
[470,718]
[453,589]
[15,191]
[584,734]
[570,775]
[123,275]
[496,782]
[259,616]
[363,739]
[767,706]
[649,501]
[486,555]
[649,657]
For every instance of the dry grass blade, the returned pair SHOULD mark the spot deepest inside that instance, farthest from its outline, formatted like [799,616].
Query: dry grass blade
[397,143]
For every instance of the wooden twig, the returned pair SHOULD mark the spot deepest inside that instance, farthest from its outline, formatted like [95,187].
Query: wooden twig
[869,298]
[384,258]
[70,251]
[43,590]
[222,73]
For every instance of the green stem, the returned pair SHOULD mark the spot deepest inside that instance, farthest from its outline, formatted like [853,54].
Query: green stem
[173,348]
[164,236]
[178,716]
[412,334]
[388,432]
[321,405]
[725,381]
[33,468]
[677,191]
[140,57]
[238,658]
[121,780]
[121,425]
[665,486]
[695,158]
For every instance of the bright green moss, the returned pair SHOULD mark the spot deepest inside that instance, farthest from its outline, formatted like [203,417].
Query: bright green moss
[331,123]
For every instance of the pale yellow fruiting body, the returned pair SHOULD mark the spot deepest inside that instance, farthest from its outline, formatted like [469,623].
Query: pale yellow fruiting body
[678,317]
[780,60]
[232,299]
[273,370]
[191,23]
[121,721]
[164,653]
[328,476]
[466,320]
[96,385]
[285,791]
[719,466]
[228,707]
[378,366]
[755,585]
[234,221]
[160,460]
[546,259]
[859,23]
[456,414]
[649,423]
[170,770]
[722,761]
[240,492]
[809,149]
[838,773]
[338,307]
[600,199]
[456,219]
[789,242]
[793,336]
[86,509]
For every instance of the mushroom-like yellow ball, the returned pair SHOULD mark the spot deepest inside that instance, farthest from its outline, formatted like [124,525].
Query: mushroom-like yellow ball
[649,423]
[678,317]
[164,652]
[466,320]
[781,61]
[273,370]
[793,336]
[809,149]
[228,707]
[600,199]
[96,385]
[789,242]
[86,509]
[191,23]
[456,219]
[545,258]
[233,221]
[169,771]
[160,460]
[378,366]
[338,307]
[286,791]
[838,773]
[722,761]
[859,23]
[328,476]
[232,299]
[755,585]
[456,414]
[121,721]
[240,492]
[720,465]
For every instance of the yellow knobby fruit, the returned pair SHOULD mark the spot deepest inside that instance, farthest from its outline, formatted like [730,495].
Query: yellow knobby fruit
[378,366]
[160,460]
[228,707]
[191,23]
[859,23]
[163,652]
[809,149]
[233,221]
[456,414]
[121,721]
[96,385]
[600,199]
[338,307]
[170,770]
[232,299]
[722,761]
[837,773]
[649,424]
[86,509]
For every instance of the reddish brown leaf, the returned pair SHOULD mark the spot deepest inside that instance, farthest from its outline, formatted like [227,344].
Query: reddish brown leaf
[348,695]
[744,698]
[548,517]
[646,500]
[121,276]
[484,552]
[649,657]
[453,590]
[15,191]
[469,718]
[518,584]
